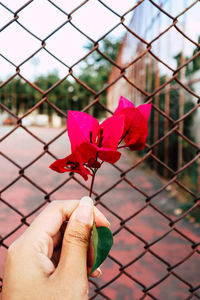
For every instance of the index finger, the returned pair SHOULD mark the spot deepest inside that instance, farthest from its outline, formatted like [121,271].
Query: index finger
[53,216]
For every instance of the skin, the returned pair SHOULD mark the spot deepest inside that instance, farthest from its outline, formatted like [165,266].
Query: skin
[51,260]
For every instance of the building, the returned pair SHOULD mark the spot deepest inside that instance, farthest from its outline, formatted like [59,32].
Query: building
[160,58]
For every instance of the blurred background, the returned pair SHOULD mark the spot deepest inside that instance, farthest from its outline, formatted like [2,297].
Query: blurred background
[60,55]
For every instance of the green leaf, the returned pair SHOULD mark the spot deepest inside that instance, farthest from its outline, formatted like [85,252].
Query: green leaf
[102,241]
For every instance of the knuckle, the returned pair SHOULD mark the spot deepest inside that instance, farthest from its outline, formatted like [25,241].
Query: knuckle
[77,236]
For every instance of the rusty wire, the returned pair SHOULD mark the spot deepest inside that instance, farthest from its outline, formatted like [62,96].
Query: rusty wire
[122,269]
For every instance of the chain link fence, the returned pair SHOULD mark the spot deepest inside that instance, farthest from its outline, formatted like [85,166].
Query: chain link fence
[143,74]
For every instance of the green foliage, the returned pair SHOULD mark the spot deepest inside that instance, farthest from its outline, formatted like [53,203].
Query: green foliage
[174,140]
[102,241]
[19,96]
[191,67]
[196,62]
[95,72]
[194,214]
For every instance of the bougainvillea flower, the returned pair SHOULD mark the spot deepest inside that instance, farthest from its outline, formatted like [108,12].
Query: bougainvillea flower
[135,123]
[71,163]
[94,138]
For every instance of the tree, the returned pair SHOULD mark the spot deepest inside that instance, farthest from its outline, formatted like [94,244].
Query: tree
[95,72]
[188,152]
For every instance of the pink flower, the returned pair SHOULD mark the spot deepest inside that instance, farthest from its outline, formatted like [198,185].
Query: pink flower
[90,141]
[71,163]
[96,139]
[135,123]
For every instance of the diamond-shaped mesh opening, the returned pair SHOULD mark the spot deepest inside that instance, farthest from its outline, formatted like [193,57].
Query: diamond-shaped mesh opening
[12,171]
[123,208]
[46,23]
[68,186]
[163,289]
[49,181]
[14,98]
[18,143]
[191,261]
[61,55]
[169,56]
[147,269]
[41,63]
[11,215]
[174,254]
[99,13]
[127,289]
[147,27]
[126,246]
[16,52]
[158,228]
[30,196]
[76,39]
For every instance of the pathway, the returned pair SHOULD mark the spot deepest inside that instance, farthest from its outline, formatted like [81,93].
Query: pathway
[123,200]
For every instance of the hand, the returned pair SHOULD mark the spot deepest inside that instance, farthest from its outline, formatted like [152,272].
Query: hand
[49,260]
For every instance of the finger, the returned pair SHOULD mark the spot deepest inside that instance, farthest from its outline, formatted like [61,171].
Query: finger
[39,239]
[52,217]
[43,235]
[73,260]
[100,219]
[50,222]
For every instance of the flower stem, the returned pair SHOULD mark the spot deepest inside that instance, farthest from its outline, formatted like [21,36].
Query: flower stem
[92,182]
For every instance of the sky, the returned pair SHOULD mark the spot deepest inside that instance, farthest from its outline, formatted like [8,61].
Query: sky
[42,18]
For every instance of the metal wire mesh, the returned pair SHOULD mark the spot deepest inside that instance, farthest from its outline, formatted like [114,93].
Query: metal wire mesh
[120,71]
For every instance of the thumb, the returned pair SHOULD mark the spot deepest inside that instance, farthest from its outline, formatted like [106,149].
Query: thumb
[73,260]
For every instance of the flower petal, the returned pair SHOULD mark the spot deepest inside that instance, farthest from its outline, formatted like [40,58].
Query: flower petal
[79,126]
[113,128]
[84,172]
[123,103]
[145,110]
[90,152]
[129,115]
[108,155]
[59,165]
[87,151]
[138,132]
[71,163]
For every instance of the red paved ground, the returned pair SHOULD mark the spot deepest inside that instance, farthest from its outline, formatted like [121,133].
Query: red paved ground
[123,200]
